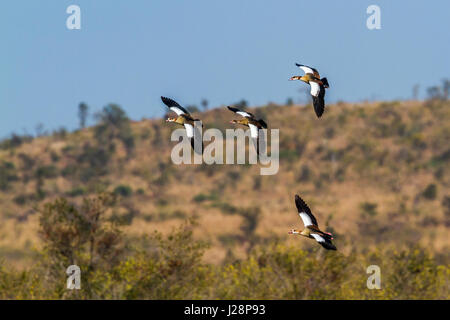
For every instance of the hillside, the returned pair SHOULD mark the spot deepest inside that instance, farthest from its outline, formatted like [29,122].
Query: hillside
[375,174]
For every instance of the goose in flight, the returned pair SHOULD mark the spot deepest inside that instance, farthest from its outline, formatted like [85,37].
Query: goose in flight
[311,229]
[250,121]
[185,119]
[318,85]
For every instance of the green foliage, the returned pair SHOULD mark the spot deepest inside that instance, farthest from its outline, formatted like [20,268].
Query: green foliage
[82,114]
[446,205]
[60,133]
[251,217]
[171,267]
[80,236]
[439,92]
[414,274]
[201,197]
[241,104]
[114,124]
[91,162]
[123,190]
[15,141]
[380,148]
[225,207]
[305,173]
[430,192]
[7,174]
[164,215]
[46,172]
[22,199]
[369,208]
[77,191]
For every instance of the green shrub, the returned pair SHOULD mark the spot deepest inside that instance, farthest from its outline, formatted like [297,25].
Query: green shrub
[225,207]
[23,199]
[123,190]
[430,192]
[201,197]
[77,191]
[80,235]
[369,208]
[47,172]
[7,174]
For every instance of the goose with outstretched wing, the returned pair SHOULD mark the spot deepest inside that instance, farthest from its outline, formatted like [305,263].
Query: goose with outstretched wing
[311,229]
[185,119]
[317,86]
[249,120]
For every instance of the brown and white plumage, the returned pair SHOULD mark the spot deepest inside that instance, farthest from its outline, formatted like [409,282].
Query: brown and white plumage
[185,119]
[254,124]
[309,70]
[311,229]
[317,87]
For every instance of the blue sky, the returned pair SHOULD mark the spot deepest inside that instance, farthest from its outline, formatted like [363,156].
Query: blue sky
[132,52]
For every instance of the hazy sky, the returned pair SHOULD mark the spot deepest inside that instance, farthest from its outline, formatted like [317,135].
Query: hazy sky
[132,52]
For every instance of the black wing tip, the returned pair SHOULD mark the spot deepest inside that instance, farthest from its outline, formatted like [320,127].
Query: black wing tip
[328,246]
[167,101]
[319,106]
[301,204]
[233,109]
[263,123]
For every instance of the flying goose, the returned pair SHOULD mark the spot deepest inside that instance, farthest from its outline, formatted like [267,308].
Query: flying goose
[185,119]
[318,85]
[250,121]
[311,229]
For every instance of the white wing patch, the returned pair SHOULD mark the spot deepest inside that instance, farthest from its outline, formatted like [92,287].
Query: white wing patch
[317,237]
[177,110]
[315,88]
[253,130]
[189,130]
[306,69]
[306,219]
[244,114]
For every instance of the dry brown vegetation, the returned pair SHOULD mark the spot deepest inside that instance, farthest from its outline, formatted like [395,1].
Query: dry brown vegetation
[375,174]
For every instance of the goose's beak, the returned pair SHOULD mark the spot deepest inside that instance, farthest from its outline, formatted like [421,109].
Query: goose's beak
[293,78]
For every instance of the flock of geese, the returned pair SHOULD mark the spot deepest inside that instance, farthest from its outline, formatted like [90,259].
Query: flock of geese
[317,90]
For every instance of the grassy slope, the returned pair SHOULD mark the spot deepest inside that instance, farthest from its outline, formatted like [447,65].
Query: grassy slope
[356,156]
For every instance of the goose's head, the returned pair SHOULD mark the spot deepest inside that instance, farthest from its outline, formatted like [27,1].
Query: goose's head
[301,78]
[293,231]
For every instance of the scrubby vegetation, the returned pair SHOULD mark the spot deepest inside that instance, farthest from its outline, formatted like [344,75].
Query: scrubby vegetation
[375,174]
[171,267]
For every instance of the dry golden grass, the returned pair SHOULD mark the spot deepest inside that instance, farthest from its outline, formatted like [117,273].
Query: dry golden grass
[378,158]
